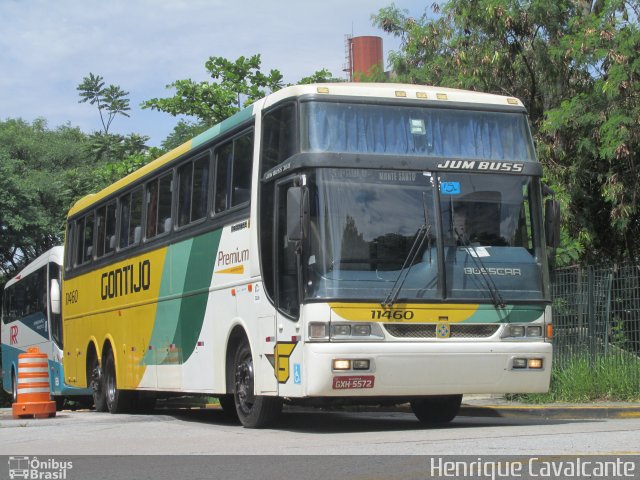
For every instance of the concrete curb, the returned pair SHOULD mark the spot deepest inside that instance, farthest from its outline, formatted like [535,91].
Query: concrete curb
[558,412]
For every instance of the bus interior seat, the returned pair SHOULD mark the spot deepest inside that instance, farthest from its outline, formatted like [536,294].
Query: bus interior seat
[167,225]
[112,242]
[137,234]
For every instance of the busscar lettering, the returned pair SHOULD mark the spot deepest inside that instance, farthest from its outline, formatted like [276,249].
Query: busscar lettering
[499,271]
[126,280]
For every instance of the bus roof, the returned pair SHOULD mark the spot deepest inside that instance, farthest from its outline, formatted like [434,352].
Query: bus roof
[374,90]
[55,254]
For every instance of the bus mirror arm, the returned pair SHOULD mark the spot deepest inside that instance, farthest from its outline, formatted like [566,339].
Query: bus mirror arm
[54,292]
[552,222]
[297,213]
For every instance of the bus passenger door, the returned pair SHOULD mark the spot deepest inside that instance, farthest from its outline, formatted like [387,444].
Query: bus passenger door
[290,202]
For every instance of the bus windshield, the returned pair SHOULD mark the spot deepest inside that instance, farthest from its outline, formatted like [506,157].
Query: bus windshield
[452,235]
[424,131]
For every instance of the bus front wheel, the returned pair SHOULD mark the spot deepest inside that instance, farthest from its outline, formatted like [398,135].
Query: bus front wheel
[254,411]
[437,409]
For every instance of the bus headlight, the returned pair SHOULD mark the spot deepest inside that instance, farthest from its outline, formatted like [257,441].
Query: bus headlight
[318,331]
[352,331]
[523,332]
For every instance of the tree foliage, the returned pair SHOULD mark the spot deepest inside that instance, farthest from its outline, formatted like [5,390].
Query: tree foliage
[575,65]
[111,100]
[235,83]
[42,172]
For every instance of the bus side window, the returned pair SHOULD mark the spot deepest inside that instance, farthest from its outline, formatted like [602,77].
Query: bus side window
[110,229]
[185,175]
[68,249]
[131,218]
[224,155]
[278,135]
[158,199]
[164,204]
[152,208]
[200,188]
[88,238]
[242,162]
[84,239]
[105,227]
[125,216]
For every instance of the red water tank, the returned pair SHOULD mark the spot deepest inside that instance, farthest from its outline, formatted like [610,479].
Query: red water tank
[366,56]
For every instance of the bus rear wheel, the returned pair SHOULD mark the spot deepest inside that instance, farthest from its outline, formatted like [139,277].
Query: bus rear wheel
[97,387]
[118,401]
[254,411]
[437,409]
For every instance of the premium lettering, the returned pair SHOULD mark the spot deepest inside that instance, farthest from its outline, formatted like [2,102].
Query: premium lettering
[232,257]
[126,280]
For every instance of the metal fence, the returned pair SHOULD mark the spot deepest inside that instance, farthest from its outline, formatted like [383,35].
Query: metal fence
[597,315]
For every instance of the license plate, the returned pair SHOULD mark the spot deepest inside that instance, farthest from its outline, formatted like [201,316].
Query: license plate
[364,381]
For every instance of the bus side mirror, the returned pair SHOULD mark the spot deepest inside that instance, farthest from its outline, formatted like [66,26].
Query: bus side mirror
[297,213]
[552,222]
[54,293]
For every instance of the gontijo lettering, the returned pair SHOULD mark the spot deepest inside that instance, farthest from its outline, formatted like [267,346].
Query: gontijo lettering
[126,280]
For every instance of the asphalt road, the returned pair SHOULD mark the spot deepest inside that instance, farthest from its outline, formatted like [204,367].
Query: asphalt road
[311,432]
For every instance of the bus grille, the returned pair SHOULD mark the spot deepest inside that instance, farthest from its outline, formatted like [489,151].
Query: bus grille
[405,330]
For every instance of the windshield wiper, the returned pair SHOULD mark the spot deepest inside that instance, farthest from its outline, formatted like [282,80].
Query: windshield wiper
[421,235]
[496,297]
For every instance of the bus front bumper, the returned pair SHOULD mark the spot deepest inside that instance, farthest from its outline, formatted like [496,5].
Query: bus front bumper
[434,368]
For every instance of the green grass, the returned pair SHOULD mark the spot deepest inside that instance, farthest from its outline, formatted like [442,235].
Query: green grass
[584,380]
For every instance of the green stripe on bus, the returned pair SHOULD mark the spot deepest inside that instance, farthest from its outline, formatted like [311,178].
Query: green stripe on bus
[222,127]
[186,275]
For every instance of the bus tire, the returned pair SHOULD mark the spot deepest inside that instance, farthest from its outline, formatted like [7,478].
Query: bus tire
[97,386]
[118,401]
[228,404]
[254,411]
[14,387]
[436,409]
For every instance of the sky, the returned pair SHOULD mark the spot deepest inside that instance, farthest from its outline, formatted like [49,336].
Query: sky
[47,47]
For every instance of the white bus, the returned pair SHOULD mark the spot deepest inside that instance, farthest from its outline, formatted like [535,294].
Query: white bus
[31,317]
[338,242]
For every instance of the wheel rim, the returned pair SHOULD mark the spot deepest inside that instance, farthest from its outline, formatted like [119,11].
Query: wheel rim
[96,381]
[110,382]
[244,384]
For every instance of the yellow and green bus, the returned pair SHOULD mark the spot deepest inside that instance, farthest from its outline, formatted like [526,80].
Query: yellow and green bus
[363,243]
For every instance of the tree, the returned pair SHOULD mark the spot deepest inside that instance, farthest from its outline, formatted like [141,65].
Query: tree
[320,76]
[575,66]
[42,172]
[236,83]
[111,100]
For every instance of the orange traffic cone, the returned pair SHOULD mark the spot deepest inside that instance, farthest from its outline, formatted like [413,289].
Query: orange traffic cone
[33,399]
